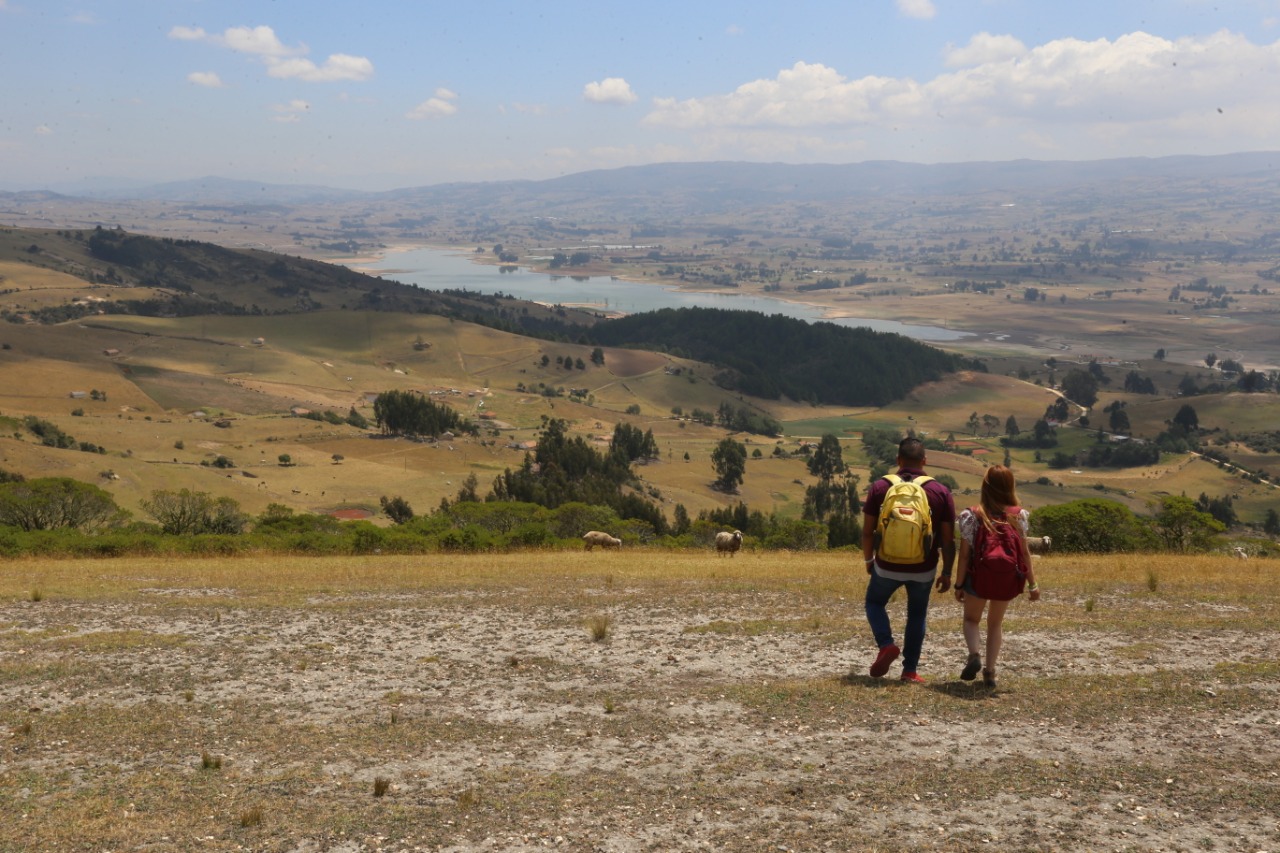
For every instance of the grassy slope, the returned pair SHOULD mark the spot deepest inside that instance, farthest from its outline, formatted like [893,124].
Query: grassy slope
[169,368]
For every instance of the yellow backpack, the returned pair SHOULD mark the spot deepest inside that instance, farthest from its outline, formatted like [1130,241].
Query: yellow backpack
[904,533]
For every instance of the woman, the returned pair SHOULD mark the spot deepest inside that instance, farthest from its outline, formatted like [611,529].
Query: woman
[996,522]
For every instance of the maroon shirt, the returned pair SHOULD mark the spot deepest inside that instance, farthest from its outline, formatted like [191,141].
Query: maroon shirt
[941,506]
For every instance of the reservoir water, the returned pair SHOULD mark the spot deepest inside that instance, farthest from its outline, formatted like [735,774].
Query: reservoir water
[439,269]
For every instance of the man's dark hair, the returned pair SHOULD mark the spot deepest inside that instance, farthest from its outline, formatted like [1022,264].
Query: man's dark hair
[911,450]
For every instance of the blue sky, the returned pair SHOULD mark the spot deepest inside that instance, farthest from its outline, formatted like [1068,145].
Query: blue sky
[379,94]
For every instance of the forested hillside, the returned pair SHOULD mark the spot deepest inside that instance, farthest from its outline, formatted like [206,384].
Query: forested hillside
[775,356]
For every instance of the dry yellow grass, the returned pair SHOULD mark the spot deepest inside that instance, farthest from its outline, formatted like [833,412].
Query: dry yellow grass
[464,703]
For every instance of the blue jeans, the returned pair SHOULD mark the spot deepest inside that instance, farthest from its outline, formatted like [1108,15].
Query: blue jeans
[879,591]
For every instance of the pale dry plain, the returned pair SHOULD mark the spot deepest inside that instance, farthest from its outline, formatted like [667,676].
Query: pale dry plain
[264,704]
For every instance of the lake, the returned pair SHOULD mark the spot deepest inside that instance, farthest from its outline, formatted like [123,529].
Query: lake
[440,269]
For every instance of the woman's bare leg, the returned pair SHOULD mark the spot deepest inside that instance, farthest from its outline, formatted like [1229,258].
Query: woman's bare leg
[973,607]
[995,632]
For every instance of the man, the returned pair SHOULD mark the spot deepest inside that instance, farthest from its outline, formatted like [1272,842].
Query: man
[918,578]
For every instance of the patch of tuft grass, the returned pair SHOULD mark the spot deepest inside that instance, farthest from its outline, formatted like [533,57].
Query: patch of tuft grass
[381,785]
[210,762]
[1153,580]
[251,817]
[116,641]
[598,627]
[37,594]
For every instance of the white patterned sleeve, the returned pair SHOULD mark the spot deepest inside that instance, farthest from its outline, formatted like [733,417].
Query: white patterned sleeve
[1024,521]
[968,524]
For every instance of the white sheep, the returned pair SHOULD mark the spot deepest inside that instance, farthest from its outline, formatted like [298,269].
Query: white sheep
[1241,554]
[728,543]
[593,538]
[1039,545]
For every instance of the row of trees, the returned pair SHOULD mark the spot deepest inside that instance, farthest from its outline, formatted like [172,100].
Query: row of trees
[60,515]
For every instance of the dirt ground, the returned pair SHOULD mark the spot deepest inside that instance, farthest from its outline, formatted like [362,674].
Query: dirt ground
[714,714]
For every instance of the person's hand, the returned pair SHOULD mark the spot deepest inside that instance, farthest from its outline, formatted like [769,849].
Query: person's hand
[959,594]
[944,583]
[1034,595]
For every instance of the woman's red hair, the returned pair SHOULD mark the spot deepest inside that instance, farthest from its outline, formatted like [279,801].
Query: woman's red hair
[999,492]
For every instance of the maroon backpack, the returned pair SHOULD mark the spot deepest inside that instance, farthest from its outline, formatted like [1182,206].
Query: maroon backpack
[999,573]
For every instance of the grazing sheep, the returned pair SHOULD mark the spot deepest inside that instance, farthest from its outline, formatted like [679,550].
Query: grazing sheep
[1241,554]
[594,537]
[728,543]
[1039,545]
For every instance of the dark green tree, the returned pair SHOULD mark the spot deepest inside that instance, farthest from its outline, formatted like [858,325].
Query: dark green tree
[47,503]
[1092,525]
[1271,523]
[828,460]
[1182,527]
[397,509]
[680,521]
[187,513]
[1119,421]
[1187,418]
[468,493]
[1221,508]
[729,461]
[356,419]
[1080,387]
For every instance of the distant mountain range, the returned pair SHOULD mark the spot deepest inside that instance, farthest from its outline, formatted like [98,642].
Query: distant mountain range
[723,186]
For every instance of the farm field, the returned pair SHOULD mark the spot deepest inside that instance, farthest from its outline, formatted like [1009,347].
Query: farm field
[626,701]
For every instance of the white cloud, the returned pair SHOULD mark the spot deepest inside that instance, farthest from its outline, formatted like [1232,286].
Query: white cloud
[208,79]
[339,66]
[984,48]
[257,41]
[923,9]
[291,112]
[43,130]
[282,61]
[1139,81]
[83,18]
[610,90]
[734,30]
[801,96]
[440,106]
[185,33]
